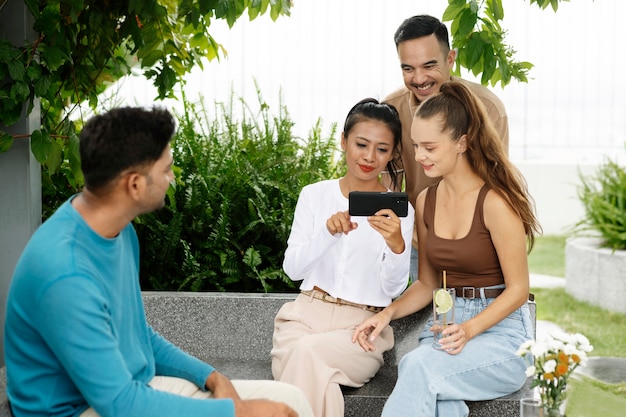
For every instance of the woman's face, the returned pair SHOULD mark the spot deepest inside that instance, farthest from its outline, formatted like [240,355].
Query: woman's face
[434,149]
[368,148]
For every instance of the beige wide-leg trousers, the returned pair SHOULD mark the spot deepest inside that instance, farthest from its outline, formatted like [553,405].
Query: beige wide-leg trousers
[247,390]
[313,350]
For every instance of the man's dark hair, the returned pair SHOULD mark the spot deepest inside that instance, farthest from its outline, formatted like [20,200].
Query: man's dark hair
[420,26]
[120,139]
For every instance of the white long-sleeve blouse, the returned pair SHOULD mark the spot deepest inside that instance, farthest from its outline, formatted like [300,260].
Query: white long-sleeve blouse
[358,267]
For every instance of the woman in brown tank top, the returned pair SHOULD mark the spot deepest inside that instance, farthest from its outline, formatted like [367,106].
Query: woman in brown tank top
[476,224]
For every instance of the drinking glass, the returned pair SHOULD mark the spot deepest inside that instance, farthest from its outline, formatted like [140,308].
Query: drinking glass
[530,407]
[443,312]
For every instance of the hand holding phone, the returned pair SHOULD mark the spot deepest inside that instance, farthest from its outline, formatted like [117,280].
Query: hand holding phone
[367,203]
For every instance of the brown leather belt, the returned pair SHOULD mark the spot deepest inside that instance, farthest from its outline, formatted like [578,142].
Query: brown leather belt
[320,294]
[472,292]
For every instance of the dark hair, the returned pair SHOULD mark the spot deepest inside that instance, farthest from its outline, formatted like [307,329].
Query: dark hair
[372,109]
[122,138]
[462,113]
[420,26]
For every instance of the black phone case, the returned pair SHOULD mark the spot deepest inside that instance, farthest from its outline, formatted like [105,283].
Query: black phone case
[367,203]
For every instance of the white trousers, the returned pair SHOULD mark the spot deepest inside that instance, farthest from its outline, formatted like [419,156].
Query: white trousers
[313,350]
[247,390]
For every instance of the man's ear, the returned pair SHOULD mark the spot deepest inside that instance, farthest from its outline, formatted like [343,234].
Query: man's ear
[134,183]
[451,57]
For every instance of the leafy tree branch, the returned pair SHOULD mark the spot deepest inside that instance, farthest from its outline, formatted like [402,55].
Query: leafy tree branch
[480,40]
[86,45]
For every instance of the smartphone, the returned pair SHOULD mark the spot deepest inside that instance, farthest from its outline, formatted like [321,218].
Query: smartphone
[367,203]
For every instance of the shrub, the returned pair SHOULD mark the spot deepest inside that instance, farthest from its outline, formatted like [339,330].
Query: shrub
[225,225]
[604,200]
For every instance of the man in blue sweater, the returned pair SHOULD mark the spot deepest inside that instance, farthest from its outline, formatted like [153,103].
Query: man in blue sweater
[77,342]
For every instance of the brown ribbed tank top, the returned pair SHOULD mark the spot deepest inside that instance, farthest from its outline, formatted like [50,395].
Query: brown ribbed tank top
[470,261]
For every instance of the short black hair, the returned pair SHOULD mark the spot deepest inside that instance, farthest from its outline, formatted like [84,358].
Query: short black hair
[122,138]
[420,26]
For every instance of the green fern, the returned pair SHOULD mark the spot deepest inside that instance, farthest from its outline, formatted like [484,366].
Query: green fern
[604,200]
[225,227]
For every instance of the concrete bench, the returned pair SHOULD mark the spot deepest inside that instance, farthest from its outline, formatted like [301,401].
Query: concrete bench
[233,332]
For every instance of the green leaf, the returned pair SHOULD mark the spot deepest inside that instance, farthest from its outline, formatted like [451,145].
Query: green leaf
[34,71]
[252,258]
[42,85]
[41,145]
[10,112]
[453,10]
[17,70]
[474,7]
[199,40]
[489,61]
[20,92]
[496,9]
[51,57]
[555,4]
[55,156]
[50,19]
[467,23]
[149,60]
[474,50]
[7,51]
[165,82]
[6,141]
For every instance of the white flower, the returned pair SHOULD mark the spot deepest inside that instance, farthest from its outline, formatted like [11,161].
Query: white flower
[549,366]
[525,348]
[569,349]
[539,349]
[546,354]
[583,343]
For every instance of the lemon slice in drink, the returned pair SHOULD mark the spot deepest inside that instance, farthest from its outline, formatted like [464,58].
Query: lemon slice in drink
[443,301]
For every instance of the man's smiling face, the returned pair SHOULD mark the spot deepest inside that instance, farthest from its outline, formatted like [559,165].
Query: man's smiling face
[425,65]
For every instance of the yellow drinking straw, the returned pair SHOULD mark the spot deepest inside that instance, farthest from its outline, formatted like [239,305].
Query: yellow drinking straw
[444,288]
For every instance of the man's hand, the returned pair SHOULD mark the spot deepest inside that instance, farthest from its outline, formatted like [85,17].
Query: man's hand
[220,386]
[262,408]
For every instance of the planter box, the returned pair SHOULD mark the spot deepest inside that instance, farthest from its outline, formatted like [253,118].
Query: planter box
[594,274]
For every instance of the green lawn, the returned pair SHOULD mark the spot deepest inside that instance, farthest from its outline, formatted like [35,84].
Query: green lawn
[548,256]
[586,397]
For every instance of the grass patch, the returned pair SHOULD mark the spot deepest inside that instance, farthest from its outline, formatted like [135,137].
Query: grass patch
[548,256]
[587,397]
[608,339]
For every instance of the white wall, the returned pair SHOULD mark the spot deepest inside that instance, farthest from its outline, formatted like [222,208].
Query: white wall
[554,189]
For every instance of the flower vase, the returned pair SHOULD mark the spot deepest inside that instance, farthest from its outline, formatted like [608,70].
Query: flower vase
[553,412]
[553,398]
[555,408]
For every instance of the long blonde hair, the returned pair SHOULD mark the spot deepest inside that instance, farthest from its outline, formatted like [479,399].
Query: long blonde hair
[463,114]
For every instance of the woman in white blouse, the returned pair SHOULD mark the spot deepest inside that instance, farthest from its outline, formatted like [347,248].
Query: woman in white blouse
[350,267]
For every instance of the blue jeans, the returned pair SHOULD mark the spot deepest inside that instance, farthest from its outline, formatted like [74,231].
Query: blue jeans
[432,382]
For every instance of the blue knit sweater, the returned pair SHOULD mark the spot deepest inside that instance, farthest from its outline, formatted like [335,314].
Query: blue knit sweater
[76,334]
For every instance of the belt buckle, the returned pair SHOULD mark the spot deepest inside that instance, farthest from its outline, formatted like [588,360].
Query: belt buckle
[473,292]
[324,294]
